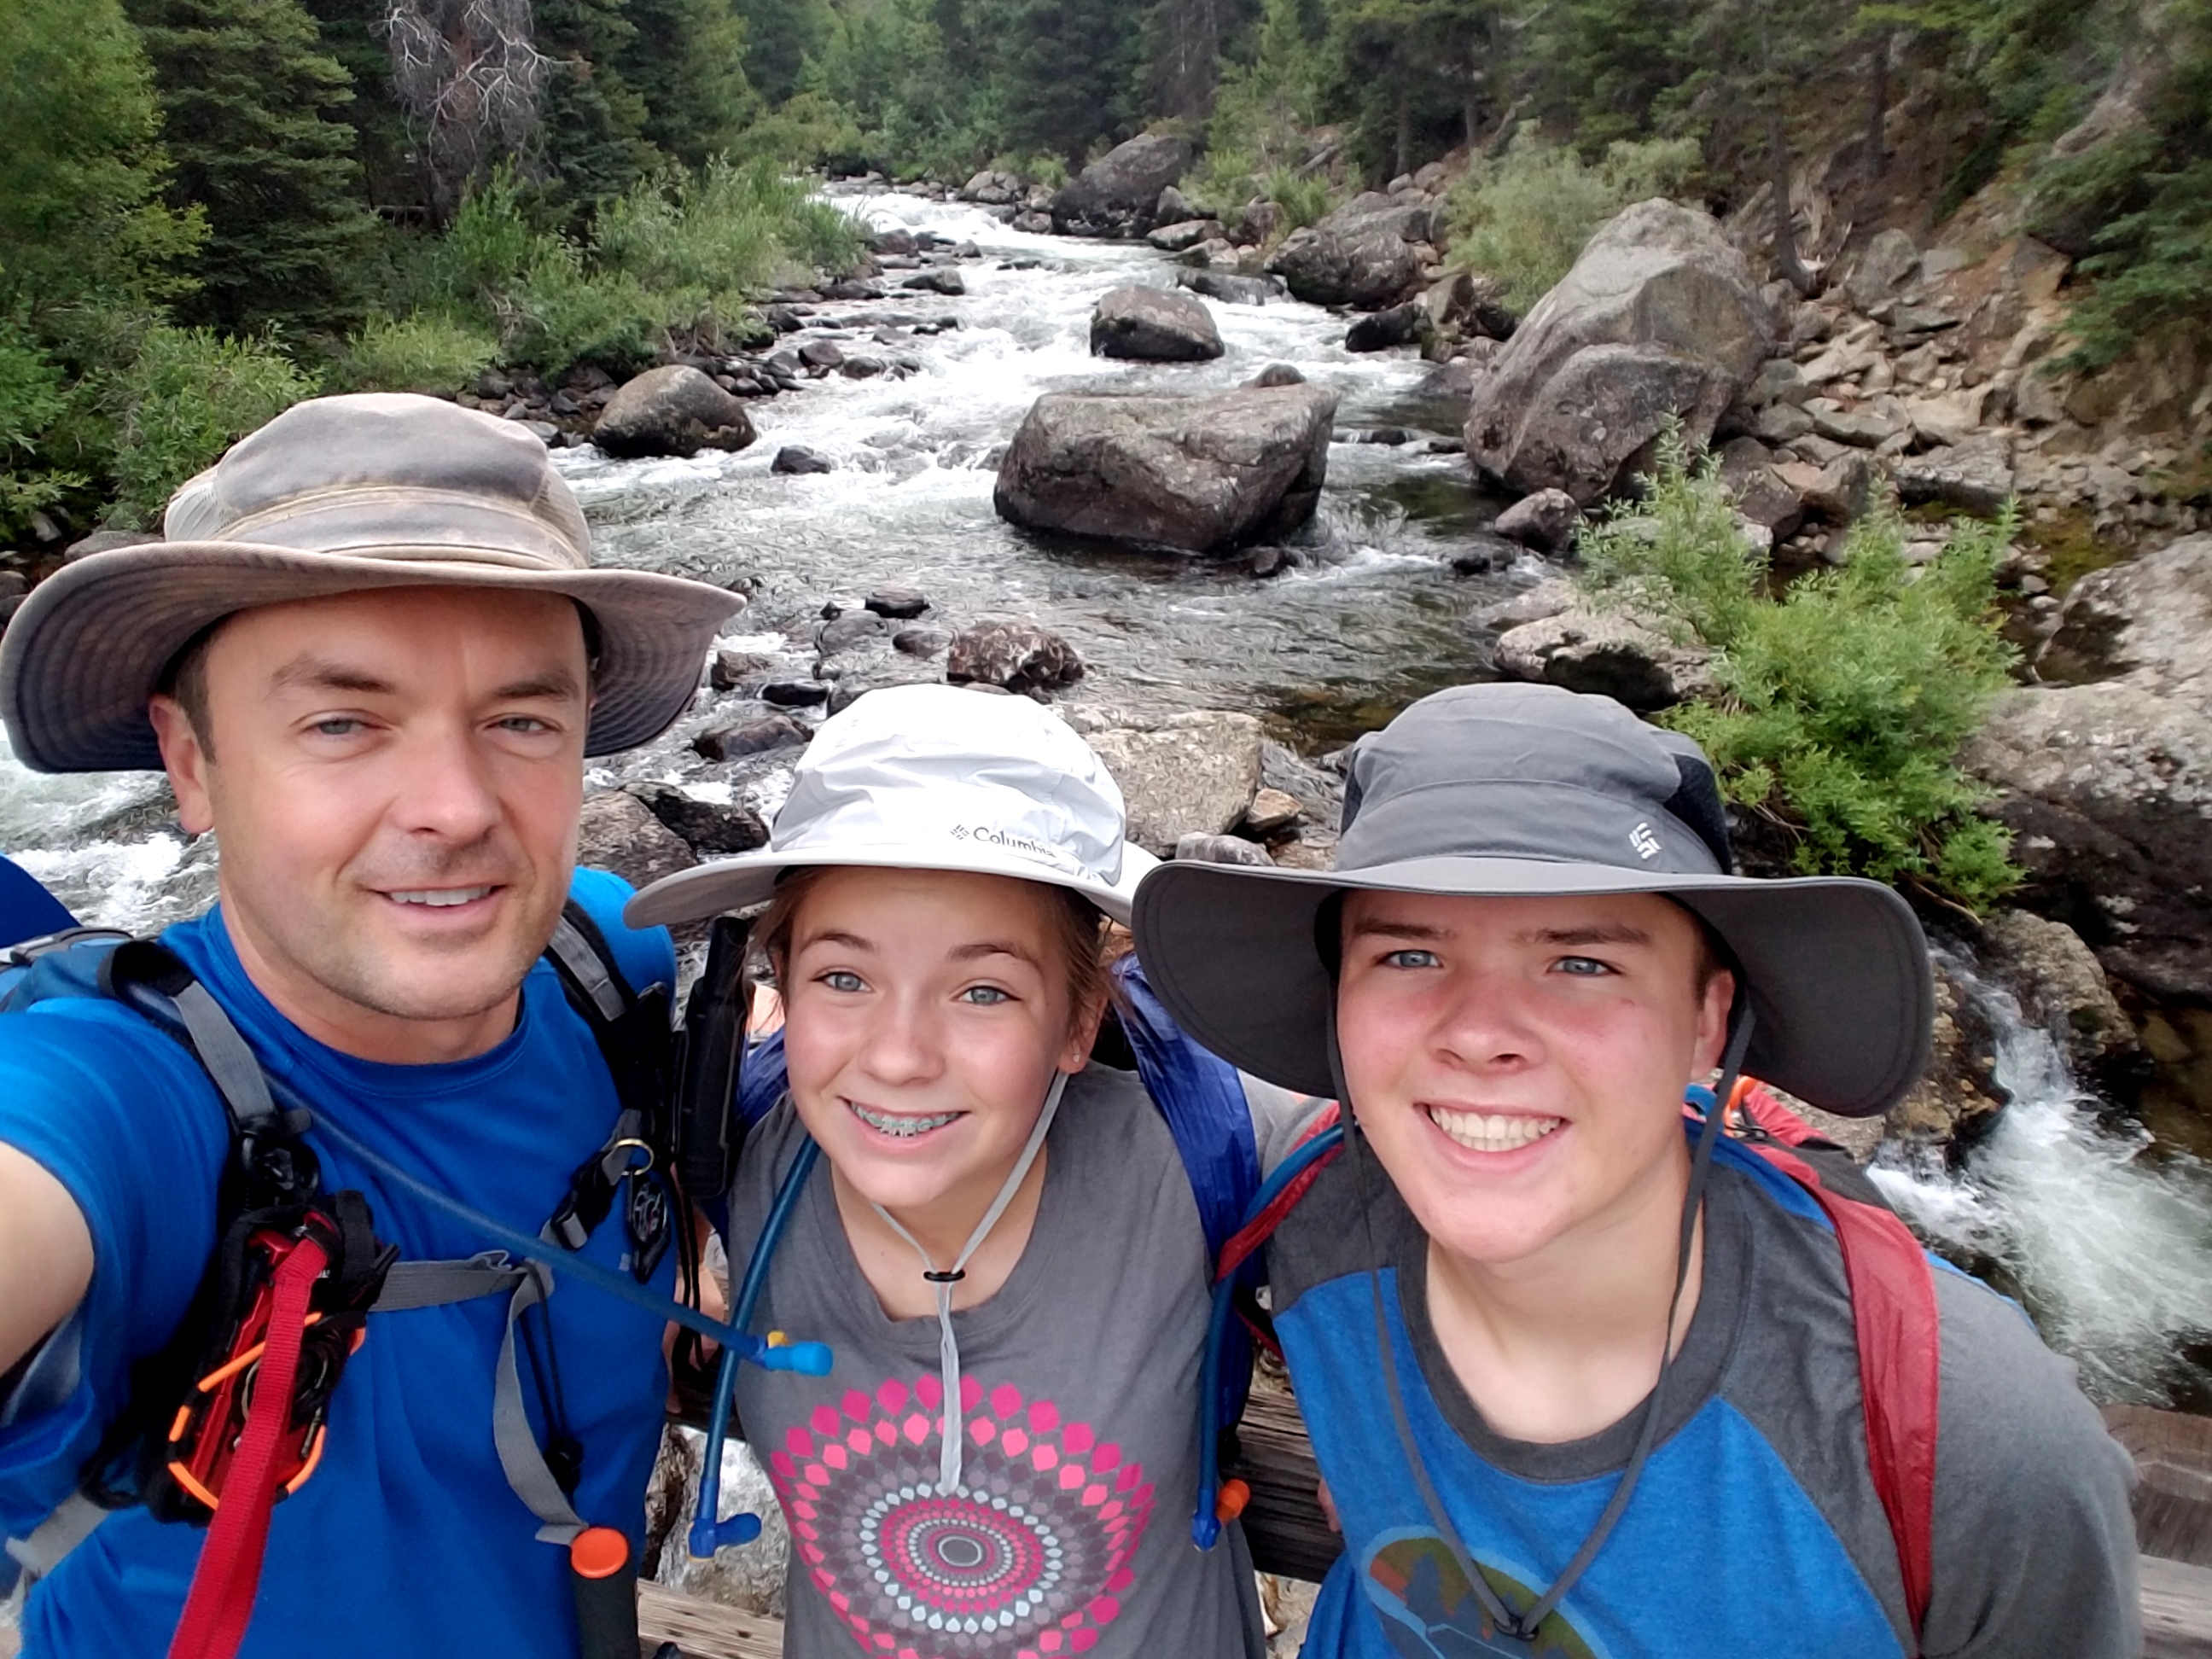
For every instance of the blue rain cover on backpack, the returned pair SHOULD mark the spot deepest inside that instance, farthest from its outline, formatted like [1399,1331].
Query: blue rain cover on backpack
[28,910]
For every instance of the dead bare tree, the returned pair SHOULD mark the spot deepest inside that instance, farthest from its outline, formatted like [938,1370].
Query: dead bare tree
[469,78]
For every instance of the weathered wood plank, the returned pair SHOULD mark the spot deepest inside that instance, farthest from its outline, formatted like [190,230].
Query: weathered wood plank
[2177,1608]
[702,1629]
[1284,1522]
[2173,1500]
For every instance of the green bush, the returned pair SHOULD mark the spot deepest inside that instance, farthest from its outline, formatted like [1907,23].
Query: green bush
[188,395]
[1522,217]
[33,398]
[1844,702]
[420,353]
[1303,200]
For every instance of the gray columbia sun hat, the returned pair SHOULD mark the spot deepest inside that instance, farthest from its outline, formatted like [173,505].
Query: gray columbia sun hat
[337,495]
[1520,791]
[932,777]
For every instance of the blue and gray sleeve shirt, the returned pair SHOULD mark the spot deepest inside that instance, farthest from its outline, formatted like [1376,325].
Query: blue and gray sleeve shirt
[1756,1530]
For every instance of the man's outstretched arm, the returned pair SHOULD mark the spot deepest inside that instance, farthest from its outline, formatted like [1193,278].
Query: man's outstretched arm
[46,1255]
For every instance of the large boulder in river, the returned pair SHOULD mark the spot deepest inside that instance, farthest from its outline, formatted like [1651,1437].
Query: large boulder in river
[2107,786]
[1361,255]
[1192,774]
[672,410]
[1119,191]
[1154,325]
[1658,320]
[1192,473]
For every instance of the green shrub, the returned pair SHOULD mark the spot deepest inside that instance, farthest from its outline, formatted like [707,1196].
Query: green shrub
[1303,200]
[1843,703]
[188,396]
[420,353]
[1522,217]
[33,398]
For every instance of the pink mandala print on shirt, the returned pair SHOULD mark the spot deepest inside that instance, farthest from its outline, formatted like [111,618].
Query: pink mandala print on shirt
[1028,1559]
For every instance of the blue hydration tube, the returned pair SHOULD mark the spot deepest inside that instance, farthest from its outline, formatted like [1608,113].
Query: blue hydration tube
[1206,1521]
[708,1534]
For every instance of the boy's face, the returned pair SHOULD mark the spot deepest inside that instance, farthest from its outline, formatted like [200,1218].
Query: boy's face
[1518,1063]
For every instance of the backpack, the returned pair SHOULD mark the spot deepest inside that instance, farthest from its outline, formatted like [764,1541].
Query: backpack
[283,1300]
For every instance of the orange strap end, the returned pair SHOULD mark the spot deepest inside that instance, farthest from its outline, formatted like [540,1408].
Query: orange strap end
[598,1552]
[1235,1495]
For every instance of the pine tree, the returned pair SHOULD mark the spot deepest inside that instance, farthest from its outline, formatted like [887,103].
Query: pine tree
[687,59]
[1063,67]
[591,142]
[83,222]
[352,33]
[247,98]
[780,37]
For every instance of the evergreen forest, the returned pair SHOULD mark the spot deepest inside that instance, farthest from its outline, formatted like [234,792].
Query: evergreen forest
[211,208]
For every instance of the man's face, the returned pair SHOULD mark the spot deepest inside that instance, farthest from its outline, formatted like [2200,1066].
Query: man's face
[394,779]
[1518,1064]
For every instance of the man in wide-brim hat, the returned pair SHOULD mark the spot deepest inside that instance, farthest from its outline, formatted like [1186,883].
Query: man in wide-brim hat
[371,655]
[1580,1382]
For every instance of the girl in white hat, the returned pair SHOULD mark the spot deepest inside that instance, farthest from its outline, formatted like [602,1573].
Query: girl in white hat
[998,1243]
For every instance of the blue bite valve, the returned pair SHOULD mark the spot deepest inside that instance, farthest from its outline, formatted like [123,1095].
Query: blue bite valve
[807,1358]
[708,1536]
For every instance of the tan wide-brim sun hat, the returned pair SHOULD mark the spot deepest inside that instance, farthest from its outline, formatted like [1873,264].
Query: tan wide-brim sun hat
[340,496]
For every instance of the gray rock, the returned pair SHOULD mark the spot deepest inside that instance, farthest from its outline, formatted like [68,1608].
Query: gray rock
[1153,324]
[1778,381]
[1862,428]
[822,354]
[794,693]
[706,827]
[1272,810]
[1890,261]
[2061,986]
[616,831]
[1781,423]
[861,369]
[1379,330]
[731,669]
[1608,652]
[798,459]
[751,738]
[1361,255]
[1192,473]
[921,641]
[1844,489]
[1762,494]
[1547,598]
[671,410]
[1192,774]
[897,240]
[1018,656]
[1121,188]
[1452,382]
[851,675]
[1220,850]
[1174,208]
[1479,554]
[1276,374]
[1958,1090]
[1176,238]
[1659,320]
[1231,288]
[940,279]
[2149,620]
[1976,477]
[898,603]
[1544,521]
[852,628]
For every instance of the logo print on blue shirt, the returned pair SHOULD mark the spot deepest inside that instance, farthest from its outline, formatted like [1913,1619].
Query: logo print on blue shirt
[1428,1611]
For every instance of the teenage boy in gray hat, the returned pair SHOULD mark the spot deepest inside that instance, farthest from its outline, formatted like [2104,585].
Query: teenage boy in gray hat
[1579,1381]
[372,657]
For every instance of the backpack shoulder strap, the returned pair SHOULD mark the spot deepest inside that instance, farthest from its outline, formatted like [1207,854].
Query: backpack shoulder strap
[1898,1334]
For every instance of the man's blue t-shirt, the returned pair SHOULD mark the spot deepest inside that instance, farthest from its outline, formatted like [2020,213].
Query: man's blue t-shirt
[407,1538]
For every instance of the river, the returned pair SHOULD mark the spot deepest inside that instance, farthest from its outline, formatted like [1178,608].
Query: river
[2105,1236]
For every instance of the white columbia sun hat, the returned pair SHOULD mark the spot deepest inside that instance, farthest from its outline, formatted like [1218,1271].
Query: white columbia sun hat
[932,777]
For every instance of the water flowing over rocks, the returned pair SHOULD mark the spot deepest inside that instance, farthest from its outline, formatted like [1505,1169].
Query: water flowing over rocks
[671,410]
[1192,473]
[1366,254]
[1153,324]
[1658,320]
[2108,787]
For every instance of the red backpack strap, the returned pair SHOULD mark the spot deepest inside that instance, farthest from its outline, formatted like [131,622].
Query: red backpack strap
[1261,1227]
[1900,1365]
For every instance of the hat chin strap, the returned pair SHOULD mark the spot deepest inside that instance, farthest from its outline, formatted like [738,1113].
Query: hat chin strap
[1523,1627]
[952,1418]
